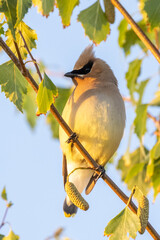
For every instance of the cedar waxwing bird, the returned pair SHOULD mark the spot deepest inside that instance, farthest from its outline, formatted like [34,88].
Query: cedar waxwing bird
[95,112]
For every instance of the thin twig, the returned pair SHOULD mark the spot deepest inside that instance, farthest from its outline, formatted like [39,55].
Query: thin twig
[78,145]
[137,30]
[4,217]
[34,60]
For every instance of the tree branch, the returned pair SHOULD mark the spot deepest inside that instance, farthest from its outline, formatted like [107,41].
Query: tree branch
[77,143]
[137,30]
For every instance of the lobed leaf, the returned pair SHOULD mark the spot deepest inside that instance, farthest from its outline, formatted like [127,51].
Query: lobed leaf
[46,93]
[65,10]
[22,9]
[11,236]
[95,23]
[123,226]
[44,6]
[140,120]
[29,35]
[4,194]
[132,75]
[8,7]
[13,84]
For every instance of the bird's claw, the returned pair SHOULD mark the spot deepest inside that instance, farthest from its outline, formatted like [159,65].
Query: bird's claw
[72,138]
[101,170]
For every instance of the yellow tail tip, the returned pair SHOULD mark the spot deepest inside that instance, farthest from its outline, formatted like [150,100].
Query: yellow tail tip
[69,215]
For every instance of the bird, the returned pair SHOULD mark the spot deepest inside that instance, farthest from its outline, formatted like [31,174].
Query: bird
[95,111]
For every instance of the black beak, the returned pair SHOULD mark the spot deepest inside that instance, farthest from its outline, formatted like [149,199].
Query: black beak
[70,74]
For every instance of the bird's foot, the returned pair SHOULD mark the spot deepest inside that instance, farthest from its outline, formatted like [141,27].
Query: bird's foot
[72,138]
[101,170]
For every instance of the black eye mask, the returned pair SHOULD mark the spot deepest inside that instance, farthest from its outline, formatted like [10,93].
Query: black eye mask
[86,69]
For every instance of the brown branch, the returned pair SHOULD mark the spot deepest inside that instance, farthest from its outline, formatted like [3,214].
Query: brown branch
[33,59]
[78,145]
[137,30]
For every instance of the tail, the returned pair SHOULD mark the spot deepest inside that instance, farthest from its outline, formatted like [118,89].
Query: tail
[69,208]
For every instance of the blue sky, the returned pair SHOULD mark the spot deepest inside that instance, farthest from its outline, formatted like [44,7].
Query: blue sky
[31,161]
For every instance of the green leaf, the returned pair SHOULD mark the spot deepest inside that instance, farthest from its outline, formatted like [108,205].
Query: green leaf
[122,32]
[156,100]
[29,107]
[11,236]
[13,83]
[4,194]
[95,23]
[132,75]
[10,204]
[152,10]
[8,7]
[156,177]
[124,226]
[63,95]
[65,10]
[136,161]
[1,237]
[109,10]
[1,29]
[22,9]
[140,120]
[44,6]
[46,93]
[140,89]
[29,35]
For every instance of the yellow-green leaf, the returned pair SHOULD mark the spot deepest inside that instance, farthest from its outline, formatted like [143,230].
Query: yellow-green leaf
[8,7]
[46,93]
[65,10]
[132,75]
[4,194]
[156,99]
[1,237]
[124,226]
[140,120]
[22,9]
[44,6]
[11,236]
[63,95]
[29,35]
[13,83]
[95,23]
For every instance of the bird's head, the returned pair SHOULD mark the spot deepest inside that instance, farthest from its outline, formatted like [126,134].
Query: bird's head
[90,68]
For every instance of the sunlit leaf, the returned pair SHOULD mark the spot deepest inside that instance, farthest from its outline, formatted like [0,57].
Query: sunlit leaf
[63,95]
[11,236]
[8,7]
[133,170]
[124,226]
[13,84]
[29,107]
[44,6]
[95,23]
[22,9]
[65,10]
[46,94]
[122,32]
[29,35]
[152,11]
[132,75]
[4,194]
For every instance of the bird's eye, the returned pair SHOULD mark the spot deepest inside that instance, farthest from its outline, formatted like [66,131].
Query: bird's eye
[87,68]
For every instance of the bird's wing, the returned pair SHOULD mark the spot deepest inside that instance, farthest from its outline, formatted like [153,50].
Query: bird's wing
[64,169]
[91,183]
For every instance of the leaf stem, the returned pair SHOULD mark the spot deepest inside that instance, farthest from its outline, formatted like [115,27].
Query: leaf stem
[137,30]
[4,217]
[33,59]
[77,143]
